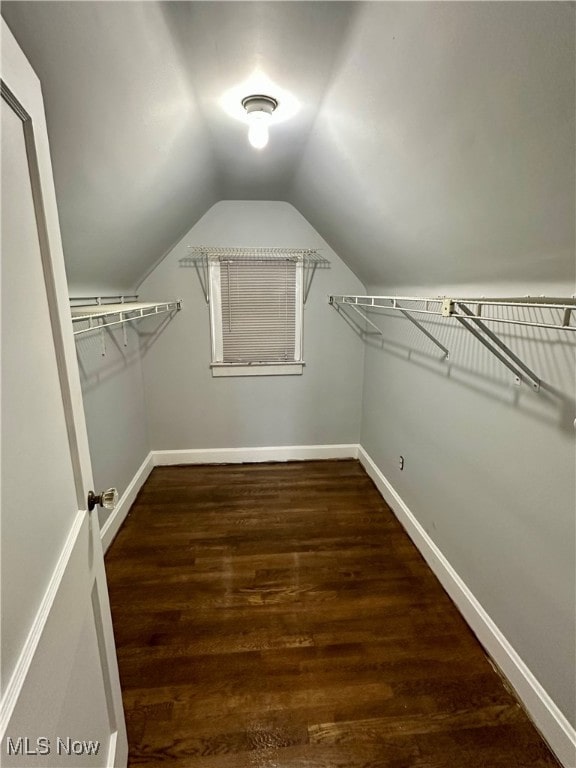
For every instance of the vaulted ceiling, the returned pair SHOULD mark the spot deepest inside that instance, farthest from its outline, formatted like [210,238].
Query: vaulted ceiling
[426,142]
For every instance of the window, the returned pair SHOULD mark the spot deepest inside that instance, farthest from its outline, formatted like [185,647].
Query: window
[256,308]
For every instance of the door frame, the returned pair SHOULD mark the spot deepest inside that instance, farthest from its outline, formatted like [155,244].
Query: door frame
[18,77]
[21,89]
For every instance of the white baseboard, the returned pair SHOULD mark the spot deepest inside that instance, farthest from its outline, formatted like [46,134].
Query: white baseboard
[215,456]
[242,455]
[555,728]
[113,523]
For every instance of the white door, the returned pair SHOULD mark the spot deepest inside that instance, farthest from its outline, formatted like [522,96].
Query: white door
[61,703]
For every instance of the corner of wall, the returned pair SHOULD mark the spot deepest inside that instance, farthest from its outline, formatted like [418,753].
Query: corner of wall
[553,725]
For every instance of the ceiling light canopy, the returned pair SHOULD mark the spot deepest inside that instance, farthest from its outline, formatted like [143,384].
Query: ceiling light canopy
[259,109]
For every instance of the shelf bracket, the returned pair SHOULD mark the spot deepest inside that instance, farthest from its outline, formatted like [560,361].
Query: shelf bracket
[425,331]
[362,315]
[496,346]
[406,314]
[309,272]
[124,331]
[203,277]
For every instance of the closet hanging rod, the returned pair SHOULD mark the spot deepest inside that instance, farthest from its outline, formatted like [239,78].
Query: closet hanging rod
[119,298]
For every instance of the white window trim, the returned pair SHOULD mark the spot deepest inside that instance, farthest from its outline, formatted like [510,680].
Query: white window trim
[216,313]
[219,367]
[257,369]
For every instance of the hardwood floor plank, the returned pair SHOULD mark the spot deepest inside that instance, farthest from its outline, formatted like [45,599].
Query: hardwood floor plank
[277,616]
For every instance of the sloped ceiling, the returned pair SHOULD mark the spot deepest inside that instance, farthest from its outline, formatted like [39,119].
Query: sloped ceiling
[426,142]
[444,151]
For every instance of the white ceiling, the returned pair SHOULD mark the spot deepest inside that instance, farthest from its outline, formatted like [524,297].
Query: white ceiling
[429,142]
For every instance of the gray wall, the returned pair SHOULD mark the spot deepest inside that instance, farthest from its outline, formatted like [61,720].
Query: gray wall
[113,394]
[489,472]
[187,408]
[490,468]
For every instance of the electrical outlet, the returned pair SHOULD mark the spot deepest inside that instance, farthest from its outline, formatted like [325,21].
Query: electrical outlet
[401,463]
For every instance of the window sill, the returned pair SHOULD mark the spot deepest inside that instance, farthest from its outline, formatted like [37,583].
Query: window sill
[257,369]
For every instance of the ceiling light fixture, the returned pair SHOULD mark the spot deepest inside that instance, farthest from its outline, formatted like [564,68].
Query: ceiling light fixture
[259,110]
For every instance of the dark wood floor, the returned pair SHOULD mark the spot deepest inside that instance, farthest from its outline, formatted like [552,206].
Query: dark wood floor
[277,616]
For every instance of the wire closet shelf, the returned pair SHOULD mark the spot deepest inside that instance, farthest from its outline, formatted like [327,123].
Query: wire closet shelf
[554,313]
[104,311]
[201,256]
[477,316]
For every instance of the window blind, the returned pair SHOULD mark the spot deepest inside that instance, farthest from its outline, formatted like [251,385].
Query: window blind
[258,303]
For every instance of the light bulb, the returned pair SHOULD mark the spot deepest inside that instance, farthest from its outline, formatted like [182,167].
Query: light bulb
[259,110]
[258,130]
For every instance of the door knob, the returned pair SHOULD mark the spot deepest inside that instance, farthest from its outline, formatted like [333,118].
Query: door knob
[107,499]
